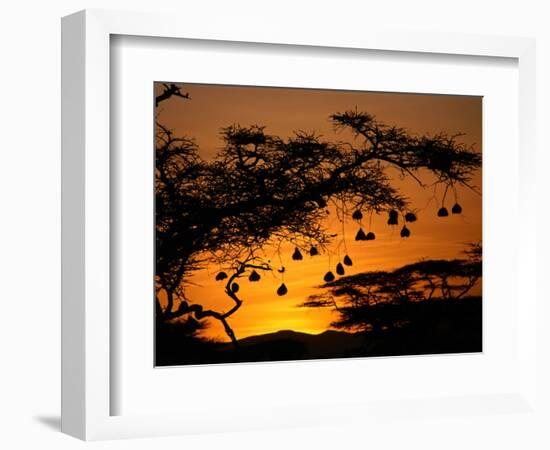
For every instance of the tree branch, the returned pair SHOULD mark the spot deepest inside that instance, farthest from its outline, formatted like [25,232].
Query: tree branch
[169,91]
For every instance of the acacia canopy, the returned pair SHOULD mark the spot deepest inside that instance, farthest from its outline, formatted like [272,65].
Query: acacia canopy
[370,300]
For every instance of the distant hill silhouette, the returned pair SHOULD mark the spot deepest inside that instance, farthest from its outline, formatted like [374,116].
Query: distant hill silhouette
[288,344]
[436,327]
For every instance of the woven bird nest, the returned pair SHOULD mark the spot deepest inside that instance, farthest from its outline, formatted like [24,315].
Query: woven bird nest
[254,276]
[329,276]
[221,276]
[393,217]
[297,255]
[282,290]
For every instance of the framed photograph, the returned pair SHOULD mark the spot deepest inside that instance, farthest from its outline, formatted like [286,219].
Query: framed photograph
[299,247]
[283,230]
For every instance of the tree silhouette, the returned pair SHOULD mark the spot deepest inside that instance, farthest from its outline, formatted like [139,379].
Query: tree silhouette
[379,300]
[169,91]
[262,190]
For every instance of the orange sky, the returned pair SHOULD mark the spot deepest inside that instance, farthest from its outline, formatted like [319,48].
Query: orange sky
[283,111]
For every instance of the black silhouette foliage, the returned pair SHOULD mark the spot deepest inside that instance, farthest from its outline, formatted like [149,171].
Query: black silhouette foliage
[379,300]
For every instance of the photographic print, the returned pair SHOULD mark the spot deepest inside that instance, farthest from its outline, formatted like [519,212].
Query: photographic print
[300,224]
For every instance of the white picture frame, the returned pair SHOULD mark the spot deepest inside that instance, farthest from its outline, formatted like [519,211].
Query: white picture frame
[87,386]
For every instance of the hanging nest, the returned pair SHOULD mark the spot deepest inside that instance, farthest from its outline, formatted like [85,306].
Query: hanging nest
[254,276]
[410,217]
[405,232]
[282,290]
[221,276]
[235,287]
[393,217]
[313,251]
[456,209]
[442,212]
[370,236]
[329,276]
[340,269]
[348,261]
[357,215]
[360,236]
[297,255]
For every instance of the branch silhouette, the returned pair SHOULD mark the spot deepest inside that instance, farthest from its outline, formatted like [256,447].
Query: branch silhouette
[169,91]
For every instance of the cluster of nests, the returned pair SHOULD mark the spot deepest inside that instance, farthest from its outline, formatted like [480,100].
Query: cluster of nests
[329,276]
[254,276]
[393,219]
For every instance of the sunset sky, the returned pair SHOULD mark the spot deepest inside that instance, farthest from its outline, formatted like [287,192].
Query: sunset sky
[283,111]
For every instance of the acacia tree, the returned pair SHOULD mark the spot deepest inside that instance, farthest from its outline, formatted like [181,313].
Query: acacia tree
[262,190]
[373,300]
